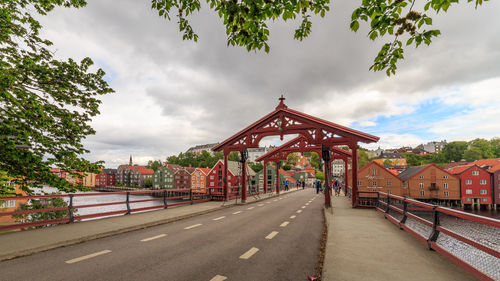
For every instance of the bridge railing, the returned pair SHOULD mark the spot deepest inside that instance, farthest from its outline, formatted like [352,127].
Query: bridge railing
[68,214]
[470,241]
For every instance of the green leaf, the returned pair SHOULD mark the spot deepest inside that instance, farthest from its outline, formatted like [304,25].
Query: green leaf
[355,26]
[409,41]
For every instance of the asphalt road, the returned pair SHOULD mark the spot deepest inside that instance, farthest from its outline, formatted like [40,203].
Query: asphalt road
[275,239]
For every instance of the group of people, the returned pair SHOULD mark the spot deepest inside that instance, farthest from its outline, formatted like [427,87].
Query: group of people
[299,184]
[336,186]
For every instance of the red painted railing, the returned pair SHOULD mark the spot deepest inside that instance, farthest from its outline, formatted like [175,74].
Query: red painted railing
[470,241]
[188,196]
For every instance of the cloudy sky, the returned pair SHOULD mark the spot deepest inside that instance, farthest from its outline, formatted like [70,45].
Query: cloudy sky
[173,94]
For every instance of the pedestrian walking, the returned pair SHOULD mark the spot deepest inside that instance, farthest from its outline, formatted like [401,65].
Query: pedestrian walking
[318,186]
[286,185]
[303,184]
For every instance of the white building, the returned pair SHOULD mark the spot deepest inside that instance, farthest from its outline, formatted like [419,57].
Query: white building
[338,168]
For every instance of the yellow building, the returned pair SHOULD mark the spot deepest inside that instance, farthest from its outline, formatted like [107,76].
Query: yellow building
[396,158]
[89,180]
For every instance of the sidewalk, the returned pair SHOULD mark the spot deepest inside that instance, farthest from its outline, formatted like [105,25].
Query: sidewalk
[22,243]
[363,245]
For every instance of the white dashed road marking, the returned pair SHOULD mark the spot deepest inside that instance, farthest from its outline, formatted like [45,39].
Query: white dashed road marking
[292,217]
[218,278]
[88,256]
[260,205]
[193,226]
[153,238]
[219,218]
[284,224]
[235,213]
[249,253]
[303,207]
[299,211]
[271,235]
[250,208]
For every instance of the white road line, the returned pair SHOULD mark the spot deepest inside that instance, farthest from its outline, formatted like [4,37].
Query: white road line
[292,217]
[235,213]
[218,278]
[249,208]
[284,224]
[260,205]
[268,202]
[153,238]
[193,226]
[303,207]
[271,235]
[219,218]
[88,256]
[299,211]
[307,204]
[249,253]
[275,200]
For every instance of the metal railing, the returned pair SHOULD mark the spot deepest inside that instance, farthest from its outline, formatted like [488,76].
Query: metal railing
[470,241]
[128,206]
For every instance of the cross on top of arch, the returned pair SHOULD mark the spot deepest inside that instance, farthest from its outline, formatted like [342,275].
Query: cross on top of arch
[283,121]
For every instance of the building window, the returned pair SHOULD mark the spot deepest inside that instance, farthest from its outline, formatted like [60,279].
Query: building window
[475,173]
[445,177]
[485,199]
[374,183]
[220,172]
[388,183]
[229,177]
[468,191]
[404,184]
[211,177]
[212,183]
[8,204]
[388,191]
[374,172]
[482,182]
[359,183]
[445,185]
[421,184]
[483,191]
[421,177]
[467,199]
[446,193]
[422,193]
[468,182]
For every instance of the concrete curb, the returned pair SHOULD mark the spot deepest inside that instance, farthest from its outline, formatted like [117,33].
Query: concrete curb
[122,230]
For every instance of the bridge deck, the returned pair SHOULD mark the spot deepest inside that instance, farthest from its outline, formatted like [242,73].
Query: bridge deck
[363,245]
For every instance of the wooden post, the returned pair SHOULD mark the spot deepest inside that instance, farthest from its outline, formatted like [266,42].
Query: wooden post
[224,176]
[354,148]
[244,183]
[278,177]
[346,175]
[265,177]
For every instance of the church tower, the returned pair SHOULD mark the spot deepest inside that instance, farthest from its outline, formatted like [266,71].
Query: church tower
[130,162]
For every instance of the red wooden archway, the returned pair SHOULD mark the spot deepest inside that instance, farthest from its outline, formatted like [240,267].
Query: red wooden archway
[283,121]
[301,144]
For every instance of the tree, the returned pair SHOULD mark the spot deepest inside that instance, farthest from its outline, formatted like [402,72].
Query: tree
[320,176]
[245,21]
[387,163]
[45,104]
[291,159]
[412,159]
[454,151]
[257,167]
[154,164]
[363,158]
[148,182]
[472,154]
[316,161]
[484,146]
[38,204]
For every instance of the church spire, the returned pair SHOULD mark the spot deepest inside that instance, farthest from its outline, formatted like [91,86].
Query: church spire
[130,162]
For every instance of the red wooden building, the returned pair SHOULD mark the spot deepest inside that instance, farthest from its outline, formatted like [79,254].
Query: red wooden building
[475,184]
[107,177]
[495,183]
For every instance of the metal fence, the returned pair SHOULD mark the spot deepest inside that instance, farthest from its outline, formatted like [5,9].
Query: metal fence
[470,241]
[125,204]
